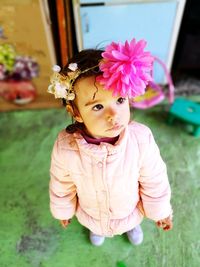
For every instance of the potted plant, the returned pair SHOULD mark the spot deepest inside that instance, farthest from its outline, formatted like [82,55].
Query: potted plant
[16,74]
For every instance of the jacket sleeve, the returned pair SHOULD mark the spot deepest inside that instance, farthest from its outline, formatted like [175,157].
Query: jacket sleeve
[61,188]
[154,186]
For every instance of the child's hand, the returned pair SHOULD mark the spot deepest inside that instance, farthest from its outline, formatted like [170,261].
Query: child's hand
[64,223]
[166,224]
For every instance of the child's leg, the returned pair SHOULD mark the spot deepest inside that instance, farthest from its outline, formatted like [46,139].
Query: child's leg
[135,235]
[96,240]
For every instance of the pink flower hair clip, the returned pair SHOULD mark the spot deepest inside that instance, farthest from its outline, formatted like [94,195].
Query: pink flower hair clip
[126,68]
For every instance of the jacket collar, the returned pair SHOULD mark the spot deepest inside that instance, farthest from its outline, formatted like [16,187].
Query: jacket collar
[103,148]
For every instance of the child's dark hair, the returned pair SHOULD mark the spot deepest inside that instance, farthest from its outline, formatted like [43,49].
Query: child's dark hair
[85,59]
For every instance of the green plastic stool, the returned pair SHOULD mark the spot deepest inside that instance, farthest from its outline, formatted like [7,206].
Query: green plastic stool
[187,111]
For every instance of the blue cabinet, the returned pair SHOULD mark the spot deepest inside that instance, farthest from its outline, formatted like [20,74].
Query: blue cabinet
[99,23]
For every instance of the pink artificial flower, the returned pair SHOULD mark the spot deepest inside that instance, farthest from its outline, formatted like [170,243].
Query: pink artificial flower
[126,68]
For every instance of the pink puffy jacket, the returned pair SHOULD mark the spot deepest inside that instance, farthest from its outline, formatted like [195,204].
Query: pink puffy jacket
[109,187]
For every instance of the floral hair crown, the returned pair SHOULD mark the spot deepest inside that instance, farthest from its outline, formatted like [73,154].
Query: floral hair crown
[62,85]
[126,71]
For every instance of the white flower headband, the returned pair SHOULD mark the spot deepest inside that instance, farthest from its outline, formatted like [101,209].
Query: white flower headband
[62,85]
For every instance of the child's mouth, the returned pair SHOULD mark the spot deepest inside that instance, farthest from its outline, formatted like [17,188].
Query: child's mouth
[116,127]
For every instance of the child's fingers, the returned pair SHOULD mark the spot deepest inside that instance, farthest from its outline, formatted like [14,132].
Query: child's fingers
[64,223]
[169,226]
[161,224]
[158,223]
[165,224]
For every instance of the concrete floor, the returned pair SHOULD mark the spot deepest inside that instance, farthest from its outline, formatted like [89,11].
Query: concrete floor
[30,237]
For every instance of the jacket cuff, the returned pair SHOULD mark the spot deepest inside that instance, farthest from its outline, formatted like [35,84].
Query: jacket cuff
[62,214]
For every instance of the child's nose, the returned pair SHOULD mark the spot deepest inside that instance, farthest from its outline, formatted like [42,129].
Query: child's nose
[112,115]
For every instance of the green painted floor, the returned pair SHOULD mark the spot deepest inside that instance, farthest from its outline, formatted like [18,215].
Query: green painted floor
[29,236]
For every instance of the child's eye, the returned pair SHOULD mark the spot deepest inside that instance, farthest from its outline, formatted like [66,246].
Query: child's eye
[97,107]
[121,100]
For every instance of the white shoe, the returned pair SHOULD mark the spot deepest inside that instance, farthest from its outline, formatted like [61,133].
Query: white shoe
[135,236]
[96,240]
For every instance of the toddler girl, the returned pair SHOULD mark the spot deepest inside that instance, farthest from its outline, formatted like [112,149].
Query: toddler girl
[106,169]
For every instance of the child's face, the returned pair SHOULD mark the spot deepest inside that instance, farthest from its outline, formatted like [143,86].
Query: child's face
[105,115]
